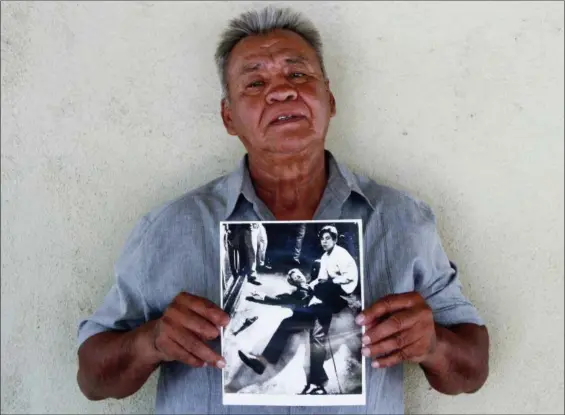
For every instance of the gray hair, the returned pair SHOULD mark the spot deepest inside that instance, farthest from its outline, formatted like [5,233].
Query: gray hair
[262,22]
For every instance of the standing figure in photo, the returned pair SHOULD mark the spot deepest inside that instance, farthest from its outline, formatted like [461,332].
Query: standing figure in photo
[224,255]
[298,240]
[235,248]
[255,240]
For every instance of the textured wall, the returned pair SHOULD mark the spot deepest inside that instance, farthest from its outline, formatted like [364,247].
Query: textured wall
[110,109]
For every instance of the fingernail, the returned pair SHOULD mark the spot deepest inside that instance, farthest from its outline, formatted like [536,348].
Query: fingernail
[375,364]
[221,364]
[360,319]
[366,340]
[205,364]
[365,351]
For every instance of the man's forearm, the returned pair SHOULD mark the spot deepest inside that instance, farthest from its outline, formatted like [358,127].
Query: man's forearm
[459,363]
[116,364]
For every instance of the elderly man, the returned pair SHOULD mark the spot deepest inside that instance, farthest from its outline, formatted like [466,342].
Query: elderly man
[162,313]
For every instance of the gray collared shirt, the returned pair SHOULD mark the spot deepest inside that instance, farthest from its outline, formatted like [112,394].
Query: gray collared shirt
[176,248]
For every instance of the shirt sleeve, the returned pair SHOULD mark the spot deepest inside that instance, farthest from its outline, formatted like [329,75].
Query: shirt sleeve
[436,278]
[323,272]
[124,307]
[347,268]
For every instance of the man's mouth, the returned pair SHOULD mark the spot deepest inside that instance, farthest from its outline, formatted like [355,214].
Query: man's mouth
[287,118]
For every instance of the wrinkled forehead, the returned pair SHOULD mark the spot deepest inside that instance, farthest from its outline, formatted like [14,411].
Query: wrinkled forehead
[279,46]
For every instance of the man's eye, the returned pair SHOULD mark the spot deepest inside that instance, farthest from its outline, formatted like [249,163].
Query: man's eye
[255,84]
[297,75]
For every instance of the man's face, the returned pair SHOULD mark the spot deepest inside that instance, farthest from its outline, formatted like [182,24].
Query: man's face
[327,241]
[296,279]
[279,100]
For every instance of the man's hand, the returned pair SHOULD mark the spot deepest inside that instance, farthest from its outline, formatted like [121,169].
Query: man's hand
[257,296]
[117,363]
[398,328]
[312,284]
[185,327]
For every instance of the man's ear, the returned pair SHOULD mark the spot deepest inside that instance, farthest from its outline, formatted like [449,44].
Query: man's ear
[227,117]
[332,99]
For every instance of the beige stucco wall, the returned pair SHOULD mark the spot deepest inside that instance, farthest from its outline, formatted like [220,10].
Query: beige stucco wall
[110,109]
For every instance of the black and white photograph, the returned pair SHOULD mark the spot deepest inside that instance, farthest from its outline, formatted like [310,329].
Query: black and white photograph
[292,290]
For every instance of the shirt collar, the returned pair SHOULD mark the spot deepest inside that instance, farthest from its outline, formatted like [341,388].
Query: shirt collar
[341,183]
[234,185]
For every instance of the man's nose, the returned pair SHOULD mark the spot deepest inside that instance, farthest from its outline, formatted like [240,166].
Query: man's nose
[280,93]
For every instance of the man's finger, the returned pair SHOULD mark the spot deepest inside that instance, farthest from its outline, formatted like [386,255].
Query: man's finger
[205,308]
[394,324]
[394,358]
[393,343]
[388,361]
[192,344]
[194,322]
[175,351]
[387,305]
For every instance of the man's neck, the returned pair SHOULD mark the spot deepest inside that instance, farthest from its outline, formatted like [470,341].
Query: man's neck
[290,185]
